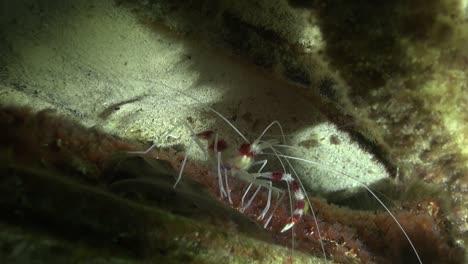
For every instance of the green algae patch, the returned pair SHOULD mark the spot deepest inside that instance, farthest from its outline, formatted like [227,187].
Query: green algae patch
[372,42]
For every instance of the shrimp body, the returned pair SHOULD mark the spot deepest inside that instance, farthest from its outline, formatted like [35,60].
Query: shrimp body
[241,159]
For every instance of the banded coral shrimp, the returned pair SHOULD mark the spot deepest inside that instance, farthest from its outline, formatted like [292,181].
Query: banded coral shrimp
[237,164]
[271,150]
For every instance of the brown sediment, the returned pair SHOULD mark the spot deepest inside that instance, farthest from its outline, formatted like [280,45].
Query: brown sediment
[56,141]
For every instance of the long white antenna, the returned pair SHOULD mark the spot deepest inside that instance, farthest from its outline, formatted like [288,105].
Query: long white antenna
[369,190]
[214,111]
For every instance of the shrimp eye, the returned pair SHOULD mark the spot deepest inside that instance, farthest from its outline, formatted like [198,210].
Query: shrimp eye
[246,150]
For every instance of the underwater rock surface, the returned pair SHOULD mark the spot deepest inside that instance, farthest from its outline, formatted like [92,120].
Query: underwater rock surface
[124,210]
[393,77]
[70,185]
